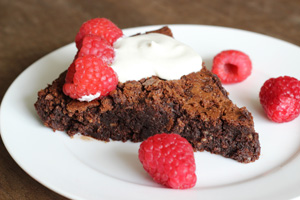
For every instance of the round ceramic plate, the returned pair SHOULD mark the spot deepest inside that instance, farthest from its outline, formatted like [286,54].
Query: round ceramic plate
[81,168]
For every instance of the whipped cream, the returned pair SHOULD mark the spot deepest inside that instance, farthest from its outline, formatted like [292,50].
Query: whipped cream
[90,97]
[151,54]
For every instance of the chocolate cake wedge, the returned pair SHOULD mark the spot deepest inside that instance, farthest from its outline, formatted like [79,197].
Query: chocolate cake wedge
[196,106]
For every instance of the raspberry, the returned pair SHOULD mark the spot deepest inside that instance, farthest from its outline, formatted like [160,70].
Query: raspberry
[70,73]
[88,76]
[280,98]
[232,66]
[101,27]
[169,159]
[95,45]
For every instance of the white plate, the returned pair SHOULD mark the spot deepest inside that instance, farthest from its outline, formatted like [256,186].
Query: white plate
[87,169]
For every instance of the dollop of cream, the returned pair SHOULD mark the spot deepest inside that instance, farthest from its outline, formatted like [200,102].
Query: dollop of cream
[90,97]
[151,54]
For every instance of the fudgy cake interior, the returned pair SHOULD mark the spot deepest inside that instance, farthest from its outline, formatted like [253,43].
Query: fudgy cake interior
[197,107]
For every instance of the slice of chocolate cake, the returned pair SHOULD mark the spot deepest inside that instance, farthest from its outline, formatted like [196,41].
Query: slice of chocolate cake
[196,106]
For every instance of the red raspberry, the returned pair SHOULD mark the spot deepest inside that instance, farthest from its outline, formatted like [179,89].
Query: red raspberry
[280,98]
[169,159]
[232,66]
[97,46]
[70,73]
[101,27]
[90,77]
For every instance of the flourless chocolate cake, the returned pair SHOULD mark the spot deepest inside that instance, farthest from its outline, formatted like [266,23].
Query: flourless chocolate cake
[196,106]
